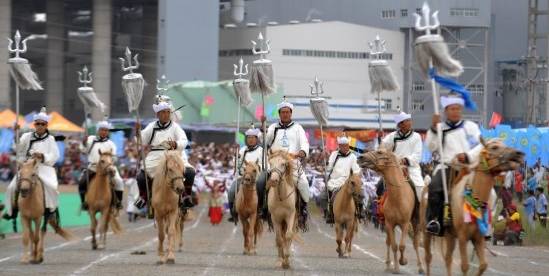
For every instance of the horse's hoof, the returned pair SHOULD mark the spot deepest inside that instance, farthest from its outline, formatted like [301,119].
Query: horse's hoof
[286,264]
[170,261]
[403,261]
[421,271]
[159,262]
[94,246]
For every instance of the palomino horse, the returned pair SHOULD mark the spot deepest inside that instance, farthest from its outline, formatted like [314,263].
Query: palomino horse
[399,208]
[494,159]
[246,208]
[32,208]
[345,217]
[281,202]
[167,187]
[99,199]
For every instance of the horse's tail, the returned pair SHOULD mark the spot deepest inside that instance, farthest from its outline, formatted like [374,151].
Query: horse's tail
[258,228]
[112,220]
[65,234]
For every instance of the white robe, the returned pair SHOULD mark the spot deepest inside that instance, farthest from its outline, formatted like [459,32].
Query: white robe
[46,171]
[341,171]
[409,147]
[463,139]
[253,156]
[170,132]
[93,157]
[293,140]
[133,195]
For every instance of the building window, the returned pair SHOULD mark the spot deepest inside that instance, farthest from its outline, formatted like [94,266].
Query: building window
[235,53]
[476,88]
[313,53]
[464,12]
[404,13]
[418,11]
[388,104]
[418,105]
[418,86]
[386,14]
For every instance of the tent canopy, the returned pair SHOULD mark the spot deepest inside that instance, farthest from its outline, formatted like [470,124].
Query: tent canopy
[60,123]
[7,119]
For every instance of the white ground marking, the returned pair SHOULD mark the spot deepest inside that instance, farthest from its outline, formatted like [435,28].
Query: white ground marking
[221,251]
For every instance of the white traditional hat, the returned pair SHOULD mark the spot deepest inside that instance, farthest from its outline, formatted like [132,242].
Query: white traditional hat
[343,140]
[285,103]
[162,106]
[451,99]
[42,116]
[403,116]
[103,124]
[253,132]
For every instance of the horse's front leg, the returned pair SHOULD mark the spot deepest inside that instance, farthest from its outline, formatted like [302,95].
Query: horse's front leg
[251,233]
[402,245]
[416,237]
[349,237]
[245,227]
[161,234]
[480,245]
[38,242]
[279,235]
[93,227]
[450,246]
[104,227]
[428,254]
[181,227]
[172,219]
[462,243]
[339,237]
[27,248]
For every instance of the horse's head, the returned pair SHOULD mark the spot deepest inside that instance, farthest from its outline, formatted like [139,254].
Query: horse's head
[497,157]
[280,163]
[105,164]
[173,173]
[355,184]
[28,177]
[251,170]
[378,160]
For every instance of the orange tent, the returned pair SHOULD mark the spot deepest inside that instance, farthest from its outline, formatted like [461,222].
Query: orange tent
[7,119]
[60,123]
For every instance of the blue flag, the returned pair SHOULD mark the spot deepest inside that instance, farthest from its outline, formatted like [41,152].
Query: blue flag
[486,133]
[533,133]
[533,153]
[6,139]
[117,138]
[426,154]
[61,147]
[504,132]
[456,87]
[545,149]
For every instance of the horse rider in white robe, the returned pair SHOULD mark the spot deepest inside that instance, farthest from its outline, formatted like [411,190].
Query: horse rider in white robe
[341,165]
[160,135]
[460,140]
[252,152]
[406,144]
[41,146]
[290,136]
[93,145]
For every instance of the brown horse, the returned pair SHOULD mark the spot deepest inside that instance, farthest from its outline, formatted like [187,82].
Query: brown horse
[494,159]
[399,208]
[345,217]
[99,200]
[32,207]
[281,202]
[246,208]
[167,187]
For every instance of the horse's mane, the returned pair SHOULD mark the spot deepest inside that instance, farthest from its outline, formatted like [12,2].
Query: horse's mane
[161,171]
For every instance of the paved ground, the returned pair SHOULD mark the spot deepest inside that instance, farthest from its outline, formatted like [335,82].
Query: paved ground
[217,250]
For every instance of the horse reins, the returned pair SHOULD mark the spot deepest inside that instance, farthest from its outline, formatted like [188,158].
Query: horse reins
[281,175]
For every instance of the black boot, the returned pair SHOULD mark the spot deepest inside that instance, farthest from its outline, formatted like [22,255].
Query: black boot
[119,195]
[14,212]
[83,204]
[231,212]
[303,216]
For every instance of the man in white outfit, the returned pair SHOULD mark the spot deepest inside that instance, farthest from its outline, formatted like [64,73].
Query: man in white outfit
[93,145]
[41,146]
[341,165]
[251,153]
[406,144]
[290,136]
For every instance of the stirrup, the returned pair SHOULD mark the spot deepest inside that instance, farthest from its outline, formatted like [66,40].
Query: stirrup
[433,227]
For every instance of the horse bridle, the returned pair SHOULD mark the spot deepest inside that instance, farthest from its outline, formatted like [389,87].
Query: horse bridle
[171,183]
[281,175]
[33,181]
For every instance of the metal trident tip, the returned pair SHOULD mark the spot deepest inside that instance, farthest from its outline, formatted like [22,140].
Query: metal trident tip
[317,87]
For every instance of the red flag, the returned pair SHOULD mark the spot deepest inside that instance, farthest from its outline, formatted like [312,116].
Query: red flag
[495,120]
